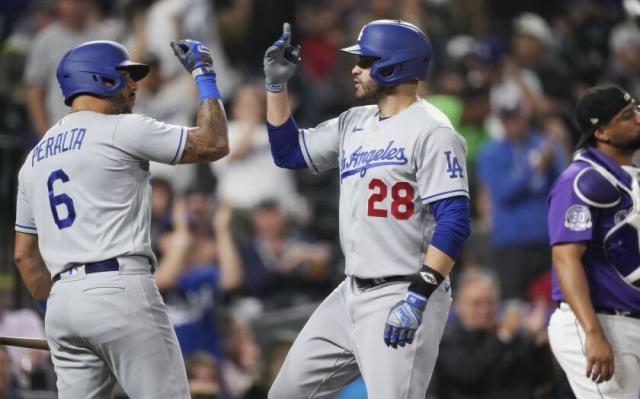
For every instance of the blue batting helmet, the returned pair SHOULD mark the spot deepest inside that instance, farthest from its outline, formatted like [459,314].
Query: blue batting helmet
[95,68]
[403,50]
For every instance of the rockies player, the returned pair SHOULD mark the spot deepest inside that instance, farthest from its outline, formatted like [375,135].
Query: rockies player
[404,216]
[82,223]
[594,217]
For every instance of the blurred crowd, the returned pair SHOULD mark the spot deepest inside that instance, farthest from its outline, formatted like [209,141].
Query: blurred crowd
[241,238]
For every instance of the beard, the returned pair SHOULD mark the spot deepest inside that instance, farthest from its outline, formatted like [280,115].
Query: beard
[370,92]
[631,144]
[120,103]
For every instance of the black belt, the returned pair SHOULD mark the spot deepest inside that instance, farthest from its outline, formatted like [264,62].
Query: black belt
[364,283]
[609,311]
[109,265]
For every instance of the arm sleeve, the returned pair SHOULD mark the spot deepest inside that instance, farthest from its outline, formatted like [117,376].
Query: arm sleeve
[25,222]
[570,219]
[146,138]
[285,146]
[321,145]
[441,163]
[453,224]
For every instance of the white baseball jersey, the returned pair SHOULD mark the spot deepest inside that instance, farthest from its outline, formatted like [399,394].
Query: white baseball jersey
[390,170]
[85,188]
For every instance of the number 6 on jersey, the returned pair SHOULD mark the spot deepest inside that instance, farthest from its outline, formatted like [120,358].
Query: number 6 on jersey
[60,199]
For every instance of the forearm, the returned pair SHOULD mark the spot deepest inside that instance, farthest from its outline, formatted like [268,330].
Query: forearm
[438,261]
[170,267]
[230,263]
[35,275]
[575,288]
[209,141]
[277,107]
[36,108]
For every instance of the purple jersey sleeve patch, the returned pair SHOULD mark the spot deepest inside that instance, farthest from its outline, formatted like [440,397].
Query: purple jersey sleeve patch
[570,218]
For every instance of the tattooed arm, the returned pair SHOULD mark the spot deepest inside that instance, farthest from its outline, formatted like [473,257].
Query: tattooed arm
[208,141]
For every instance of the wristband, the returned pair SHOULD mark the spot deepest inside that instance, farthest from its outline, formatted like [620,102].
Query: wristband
[275,87]
[426,281]
[207,87]
[42,305]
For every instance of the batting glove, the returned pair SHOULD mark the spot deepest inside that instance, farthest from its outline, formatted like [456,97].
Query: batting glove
[404,319]
[195,57]
[280,61]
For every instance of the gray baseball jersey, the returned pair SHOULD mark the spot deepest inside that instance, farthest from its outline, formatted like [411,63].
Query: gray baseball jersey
[85,186]
[84,189]
[390,170]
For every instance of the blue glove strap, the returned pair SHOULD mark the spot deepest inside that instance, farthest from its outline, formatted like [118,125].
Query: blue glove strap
[415,300]
[43,306]
[207,87]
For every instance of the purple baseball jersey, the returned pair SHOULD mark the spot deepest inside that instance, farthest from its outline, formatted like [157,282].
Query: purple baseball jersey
[571,219]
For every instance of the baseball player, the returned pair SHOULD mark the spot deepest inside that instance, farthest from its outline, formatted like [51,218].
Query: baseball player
[594,217]
[404,216]
[82,223]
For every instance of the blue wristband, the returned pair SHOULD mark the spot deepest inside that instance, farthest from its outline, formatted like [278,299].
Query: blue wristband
[207,87]
[43,306]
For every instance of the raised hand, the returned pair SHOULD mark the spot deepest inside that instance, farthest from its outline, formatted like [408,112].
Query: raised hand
[195,57]
[280,61]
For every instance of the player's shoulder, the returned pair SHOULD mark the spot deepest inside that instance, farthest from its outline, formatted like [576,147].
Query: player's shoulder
[568,176]
[431,116]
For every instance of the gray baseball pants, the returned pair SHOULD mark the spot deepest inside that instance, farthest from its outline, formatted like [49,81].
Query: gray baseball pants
[344,338]
[110,326]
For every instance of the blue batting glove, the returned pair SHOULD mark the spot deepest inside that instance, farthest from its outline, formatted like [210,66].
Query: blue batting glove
[404,319]
[196,58]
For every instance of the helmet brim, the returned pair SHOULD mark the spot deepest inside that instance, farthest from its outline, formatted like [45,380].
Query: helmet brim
[355,49]
[136,70]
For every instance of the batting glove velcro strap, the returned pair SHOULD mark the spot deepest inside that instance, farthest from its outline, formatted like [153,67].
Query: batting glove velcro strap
[403,320]
[426,281]
[280,61]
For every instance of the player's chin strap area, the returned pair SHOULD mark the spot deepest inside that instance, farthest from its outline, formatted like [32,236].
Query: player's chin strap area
[632,277]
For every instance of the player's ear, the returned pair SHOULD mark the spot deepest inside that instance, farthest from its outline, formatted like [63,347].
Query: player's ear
[602,134]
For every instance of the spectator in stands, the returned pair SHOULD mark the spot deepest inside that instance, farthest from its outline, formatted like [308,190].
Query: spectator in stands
[277,347]
[241,365]
[624,44]
[203,374]
[517,172]
[281,266]
[247,176]
[74,25]
[169,20]
[483,357]
[29,364]
[8,386]
[161,204]
[193,273]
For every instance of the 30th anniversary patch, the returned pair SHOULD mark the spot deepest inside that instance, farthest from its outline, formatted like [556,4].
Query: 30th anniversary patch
[577,218]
